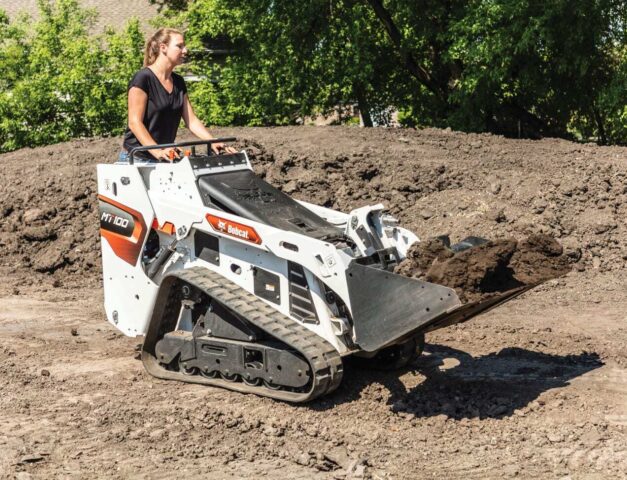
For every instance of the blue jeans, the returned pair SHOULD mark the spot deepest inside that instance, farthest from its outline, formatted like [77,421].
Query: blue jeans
[123,158]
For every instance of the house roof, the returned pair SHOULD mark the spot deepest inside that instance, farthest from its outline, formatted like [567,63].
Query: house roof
[113,13]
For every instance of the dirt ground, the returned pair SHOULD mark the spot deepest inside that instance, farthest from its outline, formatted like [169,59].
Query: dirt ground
[534,389]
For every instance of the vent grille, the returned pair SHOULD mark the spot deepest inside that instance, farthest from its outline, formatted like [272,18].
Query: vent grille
[301,304]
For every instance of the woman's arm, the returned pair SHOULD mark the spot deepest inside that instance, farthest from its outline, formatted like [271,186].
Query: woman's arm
[137,101]
[195,126]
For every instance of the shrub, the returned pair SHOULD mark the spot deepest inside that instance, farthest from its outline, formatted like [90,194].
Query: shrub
[58,81]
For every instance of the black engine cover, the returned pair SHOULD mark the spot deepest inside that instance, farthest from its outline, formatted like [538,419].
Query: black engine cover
[245,194]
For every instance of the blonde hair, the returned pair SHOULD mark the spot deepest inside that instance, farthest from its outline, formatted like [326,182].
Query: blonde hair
[151,51]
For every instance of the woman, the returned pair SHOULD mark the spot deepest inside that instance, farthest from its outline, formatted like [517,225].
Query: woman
[157,100]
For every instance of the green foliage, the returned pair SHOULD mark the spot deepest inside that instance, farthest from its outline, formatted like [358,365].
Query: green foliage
[549,59]
[293,59]
[507,66]
[59,82]
[517,67]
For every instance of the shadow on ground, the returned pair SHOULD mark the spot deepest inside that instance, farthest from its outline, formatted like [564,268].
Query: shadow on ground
[459,385]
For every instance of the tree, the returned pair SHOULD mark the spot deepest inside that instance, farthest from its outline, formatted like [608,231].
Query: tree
[533,63]
[515,67]
[293,59]
[58,82]
[518,67]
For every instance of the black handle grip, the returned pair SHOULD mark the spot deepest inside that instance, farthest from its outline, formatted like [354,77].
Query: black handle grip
[131,159]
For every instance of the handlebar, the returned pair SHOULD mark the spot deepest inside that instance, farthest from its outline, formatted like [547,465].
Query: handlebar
[131,159]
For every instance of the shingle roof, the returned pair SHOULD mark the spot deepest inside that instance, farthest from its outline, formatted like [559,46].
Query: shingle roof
[110,12]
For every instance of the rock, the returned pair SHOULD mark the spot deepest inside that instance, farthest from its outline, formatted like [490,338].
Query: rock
[557,403]
[158,433]
[324,463]
[32,458]
[572,249]
[497,215]
[358,472]
[234,422]
[45,373]
[38,234]
[274,431]
[539,206]
[495,188]
[426,214]
[6,211]
[49,260]
[303,459]
[601,228]
[74,332]
[591,437]
[555,437]
[357,469]
[290,187]
[32,215]
[254,151]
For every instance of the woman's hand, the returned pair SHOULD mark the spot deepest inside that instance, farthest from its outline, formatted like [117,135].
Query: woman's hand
[219,148]
[165,154]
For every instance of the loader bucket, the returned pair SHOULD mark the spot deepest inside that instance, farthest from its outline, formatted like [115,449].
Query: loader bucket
[387,306]
[470,310]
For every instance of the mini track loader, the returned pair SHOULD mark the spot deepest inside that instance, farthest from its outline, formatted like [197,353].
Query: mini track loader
[235,284]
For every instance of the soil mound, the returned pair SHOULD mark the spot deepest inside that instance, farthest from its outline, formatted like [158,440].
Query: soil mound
[434,181]
[480,272]
[48,212]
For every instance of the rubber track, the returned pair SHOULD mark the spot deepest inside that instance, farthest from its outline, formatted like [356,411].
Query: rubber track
[325,362]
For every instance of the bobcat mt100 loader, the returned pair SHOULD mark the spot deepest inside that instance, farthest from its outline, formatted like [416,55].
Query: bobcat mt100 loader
[235,284]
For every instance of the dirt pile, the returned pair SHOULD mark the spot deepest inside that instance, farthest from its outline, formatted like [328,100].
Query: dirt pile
[482,271]
[443,182]
[48,219]
[436,182]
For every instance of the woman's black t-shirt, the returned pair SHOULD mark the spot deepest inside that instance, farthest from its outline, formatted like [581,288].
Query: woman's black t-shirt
[163,110]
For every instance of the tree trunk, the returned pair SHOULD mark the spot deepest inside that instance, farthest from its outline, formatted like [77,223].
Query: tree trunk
[536,127]
[600,126]
[364,109]
[415,69]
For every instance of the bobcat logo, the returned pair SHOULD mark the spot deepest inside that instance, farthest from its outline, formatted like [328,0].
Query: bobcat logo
[234,229]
